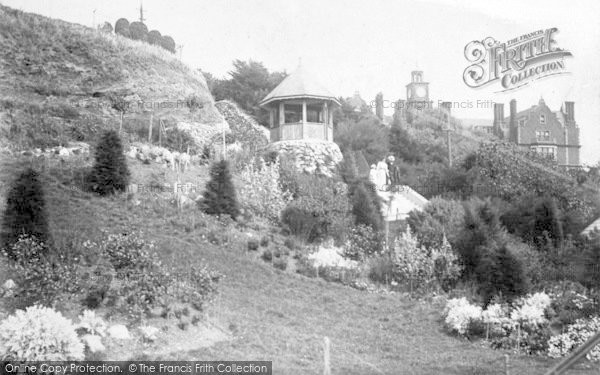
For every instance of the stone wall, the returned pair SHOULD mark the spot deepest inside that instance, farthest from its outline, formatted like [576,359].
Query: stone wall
[311,156]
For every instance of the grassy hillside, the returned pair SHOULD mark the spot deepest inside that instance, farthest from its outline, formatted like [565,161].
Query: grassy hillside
[269,314]
[58,82]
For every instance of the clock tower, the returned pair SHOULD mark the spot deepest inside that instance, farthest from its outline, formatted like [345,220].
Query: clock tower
[417,90]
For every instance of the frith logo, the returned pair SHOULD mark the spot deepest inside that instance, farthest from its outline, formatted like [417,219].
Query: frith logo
[514,63]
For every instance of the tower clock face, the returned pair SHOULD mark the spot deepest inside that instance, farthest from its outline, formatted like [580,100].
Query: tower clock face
[420,92]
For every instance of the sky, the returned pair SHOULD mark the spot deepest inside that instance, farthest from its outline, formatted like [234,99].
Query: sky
[372,46]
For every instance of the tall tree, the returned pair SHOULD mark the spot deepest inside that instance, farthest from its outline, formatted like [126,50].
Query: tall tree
[25,212]
[110,173]
[250,81]
[220,197]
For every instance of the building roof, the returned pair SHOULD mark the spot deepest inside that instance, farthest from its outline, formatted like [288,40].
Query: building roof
[299,84]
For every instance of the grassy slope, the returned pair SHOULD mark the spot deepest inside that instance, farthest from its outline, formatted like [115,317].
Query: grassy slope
[55,75]
[278,316]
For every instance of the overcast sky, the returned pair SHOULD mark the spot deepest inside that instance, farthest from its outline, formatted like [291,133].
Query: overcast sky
[372,46]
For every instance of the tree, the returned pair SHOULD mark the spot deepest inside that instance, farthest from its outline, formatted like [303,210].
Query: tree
[366,135]
[25,212]
[154,37]
[440,218]
[110,173]
[122,27]
[168,43]
[138,31]
[250,81]
[501,273]
[120,104]
[220,197]
[106,27]
[402,145]
[365,209]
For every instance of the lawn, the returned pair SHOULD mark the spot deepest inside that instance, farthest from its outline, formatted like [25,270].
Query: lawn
[280,316]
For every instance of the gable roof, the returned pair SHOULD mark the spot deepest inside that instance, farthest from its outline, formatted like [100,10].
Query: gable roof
[299,84]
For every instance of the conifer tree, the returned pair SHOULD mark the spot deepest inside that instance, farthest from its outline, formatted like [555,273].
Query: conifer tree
[220,197]
[110,173]
[364,207]
[25,212]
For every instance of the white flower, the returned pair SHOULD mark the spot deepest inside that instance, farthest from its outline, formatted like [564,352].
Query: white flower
[39,334]
[94,343]
[149,333]
[331,257]
[494,313]
[459,313]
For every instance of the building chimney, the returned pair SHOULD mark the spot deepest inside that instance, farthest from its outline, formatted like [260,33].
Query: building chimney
[513,130]
[570,111]
[498,113]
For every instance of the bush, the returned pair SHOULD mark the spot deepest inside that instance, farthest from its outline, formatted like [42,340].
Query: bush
[168,43]
[381,269]
[575,336]
[252,245]
[363,242]
[280,263]
[138,31]
[110,173]
[261,193]
[25,212]
[220,197]
[499,272]
[122,27]
[267,255]
[439,217]
[365,207]
[154,37]
[321,209]
[39,334]
[41,276]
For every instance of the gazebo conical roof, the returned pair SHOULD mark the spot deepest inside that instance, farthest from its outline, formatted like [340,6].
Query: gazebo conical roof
[299,85]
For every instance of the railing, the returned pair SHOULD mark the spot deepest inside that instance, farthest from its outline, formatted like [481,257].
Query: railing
[298,130]
[575,357]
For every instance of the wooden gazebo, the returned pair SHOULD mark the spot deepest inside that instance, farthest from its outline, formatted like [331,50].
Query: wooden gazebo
[300,108]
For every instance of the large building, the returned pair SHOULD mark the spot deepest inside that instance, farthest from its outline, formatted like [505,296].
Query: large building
[552,134]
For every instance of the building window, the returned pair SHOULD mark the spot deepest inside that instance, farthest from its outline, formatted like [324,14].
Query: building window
[547,152]
[542,135]
[543,119]
[522,122]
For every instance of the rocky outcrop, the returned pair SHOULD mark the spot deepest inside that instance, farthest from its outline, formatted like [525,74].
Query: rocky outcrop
[244,128]
[310,156]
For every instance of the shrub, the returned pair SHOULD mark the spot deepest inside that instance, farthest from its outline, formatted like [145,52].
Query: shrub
[25,212]
[362,243]
[280,263]
[411,262]
[365,209]
[252,245]
[39,334]
[459,314]
[321,209]
[500,272]
[92,324]
[575,336]
[381,269]
[41,277]
[446,267]
[267,255]
[439,217]
[154,37]
[264,241]
[138,31]
[220,197]
[110,173]
[261,192]
[168,43]
[122,27]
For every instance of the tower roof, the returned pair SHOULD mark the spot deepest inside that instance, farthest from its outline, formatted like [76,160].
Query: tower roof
[299,84]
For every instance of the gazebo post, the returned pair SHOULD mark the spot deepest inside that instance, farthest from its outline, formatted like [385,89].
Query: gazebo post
[281,119]
[325,119]
[303,118]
